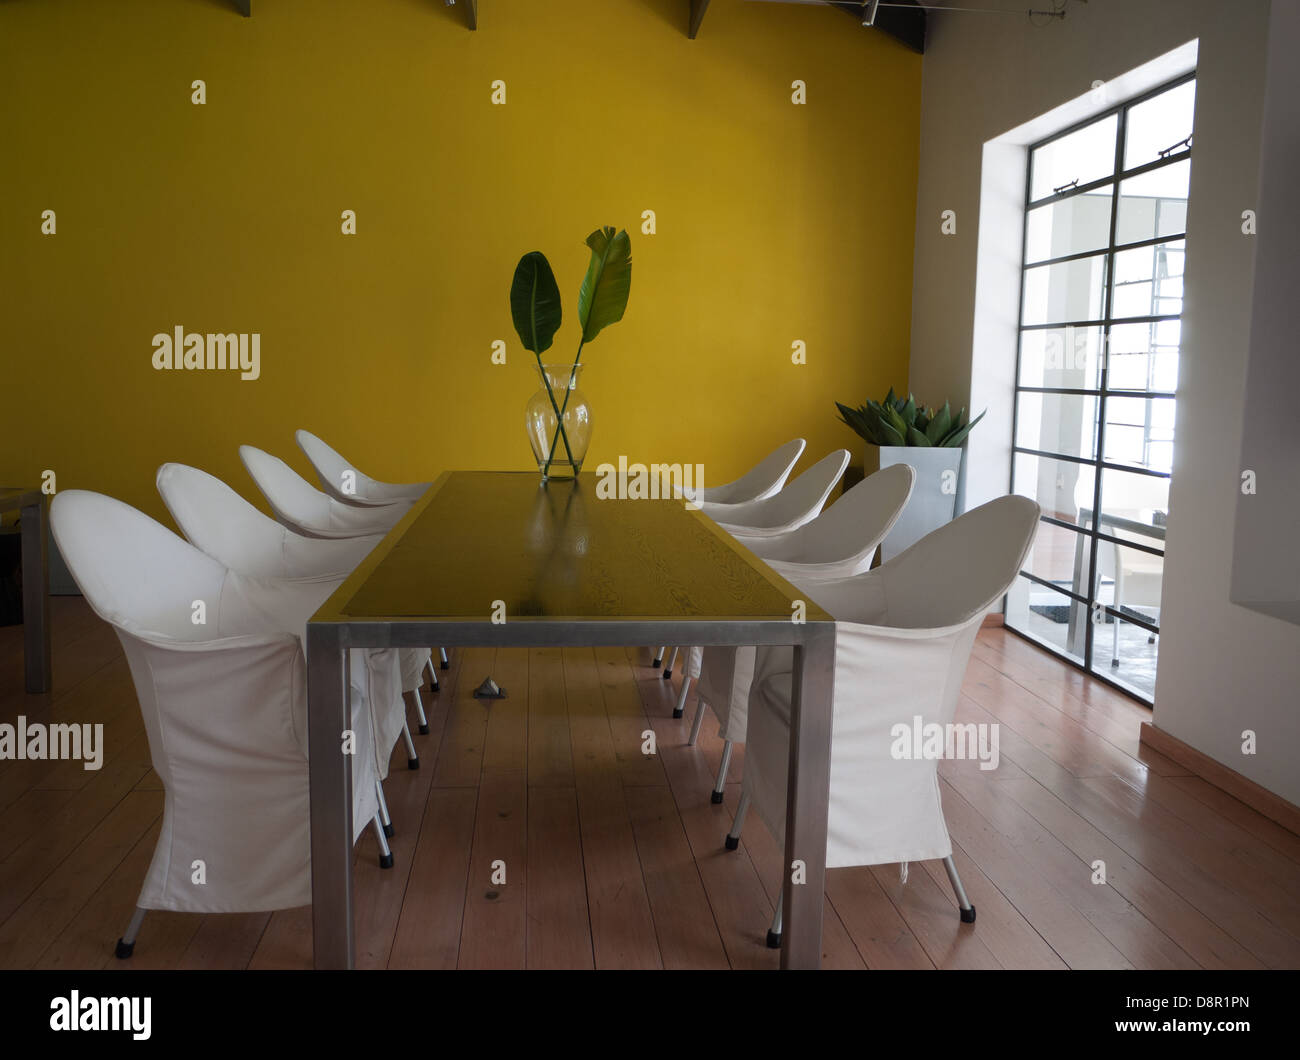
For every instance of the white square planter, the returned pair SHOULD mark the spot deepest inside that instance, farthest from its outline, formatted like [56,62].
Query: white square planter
[934,497]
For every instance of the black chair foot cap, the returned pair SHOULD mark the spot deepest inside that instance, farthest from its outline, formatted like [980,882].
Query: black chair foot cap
[677,713]
[124,950]
[444,665]
[774,940]
[424,730]
[385,861]
[968,915]
[733,842]
[1114,662]
[412,763]
[656,663]
[388,831]
[715,797]
[434,686]
[668,674]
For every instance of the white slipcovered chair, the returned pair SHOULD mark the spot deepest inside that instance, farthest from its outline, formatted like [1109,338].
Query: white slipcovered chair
[305,510]
[300,506]
[797,503]
[779,513]
[764,479]
[224,708]
[839,543]
[217,520]
[344,482]
[904,633]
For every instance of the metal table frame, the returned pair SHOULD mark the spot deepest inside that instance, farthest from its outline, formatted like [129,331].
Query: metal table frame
[37,668]
[331,632]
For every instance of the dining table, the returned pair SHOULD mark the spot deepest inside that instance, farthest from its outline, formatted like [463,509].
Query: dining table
[507,559]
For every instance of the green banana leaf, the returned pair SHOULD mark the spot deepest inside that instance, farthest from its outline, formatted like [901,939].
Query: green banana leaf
[605,288]
[535,302]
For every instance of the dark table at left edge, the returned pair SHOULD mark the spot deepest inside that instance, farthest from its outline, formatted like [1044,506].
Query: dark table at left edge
[38,676]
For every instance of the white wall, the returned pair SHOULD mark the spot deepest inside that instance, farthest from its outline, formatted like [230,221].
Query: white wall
[1222,668]
[1266,572]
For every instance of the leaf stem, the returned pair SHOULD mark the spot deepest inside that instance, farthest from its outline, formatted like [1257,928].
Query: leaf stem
[560,412]
[559,419]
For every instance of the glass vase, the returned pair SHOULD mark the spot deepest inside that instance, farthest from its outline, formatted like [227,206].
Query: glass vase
[559,453]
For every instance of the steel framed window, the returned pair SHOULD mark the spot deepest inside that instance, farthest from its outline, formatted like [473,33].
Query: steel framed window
[1119,289]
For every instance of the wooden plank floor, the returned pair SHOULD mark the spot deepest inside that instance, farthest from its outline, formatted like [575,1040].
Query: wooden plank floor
[613,858]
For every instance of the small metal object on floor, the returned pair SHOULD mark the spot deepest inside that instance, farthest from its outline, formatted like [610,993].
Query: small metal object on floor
[489,689]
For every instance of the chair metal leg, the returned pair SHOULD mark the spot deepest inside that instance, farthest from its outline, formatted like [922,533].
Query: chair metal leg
[774,932]
[412,759]
[967,910]
[419,711]
[700,707]
[658,659]
[668,670]
[719,785]
[733,837]
[681,698]
[126,944]
[433,676]
[1114,651]
[385,854]
[443,661]
[384,818]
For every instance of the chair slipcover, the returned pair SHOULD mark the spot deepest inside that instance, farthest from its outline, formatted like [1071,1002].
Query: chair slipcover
[221,523]
[332,471]
[304,509]
[904,633]
[840,542]
[764,479]
[224,708]
[795,505]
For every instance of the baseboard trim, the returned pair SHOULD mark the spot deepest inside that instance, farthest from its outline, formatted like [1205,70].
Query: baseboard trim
[1272,806]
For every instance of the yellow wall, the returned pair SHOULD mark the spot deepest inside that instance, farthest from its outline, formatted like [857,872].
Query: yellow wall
[776,222]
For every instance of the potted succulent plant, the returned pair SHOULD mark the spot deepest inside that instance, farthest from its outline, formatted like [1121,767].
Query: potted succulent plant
[899,431]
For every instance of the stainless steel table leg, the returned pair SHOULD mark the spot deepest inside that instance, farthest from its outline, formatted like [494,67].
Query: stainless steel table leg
[36,599]
[329,714]
[808,797]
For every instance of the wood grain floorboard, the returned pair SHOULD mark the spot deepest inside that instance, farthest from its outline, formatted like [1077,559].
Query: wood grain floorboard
[613,851]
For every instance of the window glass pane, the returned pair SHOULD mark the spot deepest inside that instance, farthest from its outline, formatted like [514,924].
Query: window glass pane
[1048,615]
[1143,278]
[1132,424]
[1061,488]
[1061,357]
[1071,226]
[1069,290]
[1061,556]
[1160,122]
[1057,423]
[1132,504]
[1081,157]
[1153,204]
